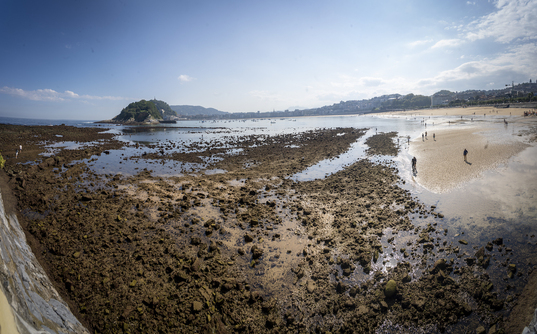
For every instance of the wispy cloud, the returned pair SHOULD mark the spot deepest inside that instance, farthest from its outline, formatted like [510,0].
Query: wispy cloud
[184,78]
[419,43]
[513,20]
[52,95]
[447,43]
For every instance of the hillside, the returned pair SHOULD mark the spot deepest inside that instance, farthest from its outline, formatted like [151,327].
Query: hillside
[138,112]
[196,110]
[164,108]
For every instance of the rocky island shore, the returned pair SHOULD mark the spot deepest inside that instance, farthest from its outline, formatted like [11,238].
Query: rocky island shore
[248,250]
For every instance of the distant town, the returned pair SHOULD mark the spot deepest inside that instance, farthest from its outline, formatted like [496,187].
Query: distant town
[156,111]
[525,93]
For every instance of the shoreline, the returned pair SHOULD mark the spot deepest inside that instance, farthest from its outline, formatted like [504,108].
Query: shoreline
[460,111]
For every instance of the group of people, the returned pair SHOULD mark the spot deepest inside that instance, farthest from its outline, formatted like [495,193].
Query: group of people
[415,161]
[18,151]
[530,113]
[424,136]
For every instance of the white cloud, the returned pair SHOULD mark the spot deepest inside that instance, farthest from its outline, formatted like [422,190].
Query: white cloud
[421,42]
[516,62]
[52,95]
[447,43]
[470,2]
[184,78]
[514,20]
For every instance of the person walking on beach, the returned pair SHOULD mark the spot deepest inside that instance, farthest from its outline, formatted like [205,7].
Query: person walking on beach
[434,137]
[414,162]
[422,137]
[465,153]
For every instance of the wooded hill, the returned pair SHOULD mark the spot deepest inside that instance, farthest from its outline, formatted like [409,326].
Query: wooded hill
[139,112]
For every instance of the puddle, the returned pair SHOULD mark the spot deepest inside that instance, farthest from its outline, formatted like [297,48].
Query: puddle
[334,165]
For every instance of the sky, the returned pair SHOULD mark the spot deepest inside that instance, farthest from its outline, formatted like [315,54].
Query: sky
[87,60]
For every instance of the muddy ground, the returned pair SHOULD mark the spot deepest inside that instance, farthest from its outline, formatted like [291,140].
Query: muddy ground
[249,250]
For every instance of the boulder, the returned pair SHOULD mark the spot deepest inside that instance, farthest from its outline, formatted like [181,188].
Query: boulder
[390,289]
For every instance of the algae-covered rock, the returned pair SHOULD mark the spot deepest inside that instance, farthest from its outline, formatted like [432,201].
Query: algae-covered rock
[391,288]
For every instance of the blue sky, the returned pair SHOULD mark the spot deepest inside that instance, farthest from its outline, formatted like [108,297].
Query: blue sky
[89,59]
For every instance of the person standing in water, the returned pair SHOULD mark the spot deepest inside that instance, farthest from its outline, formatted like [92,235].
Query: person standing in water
[465,153]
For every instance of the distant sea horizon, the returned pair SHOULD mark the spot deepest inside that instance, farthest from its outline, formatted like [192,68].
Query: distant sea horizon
[37,121]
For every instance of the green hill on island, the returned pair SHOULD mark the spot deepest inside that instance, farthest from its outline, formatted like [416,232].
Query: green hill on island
[139,112]
[164,109]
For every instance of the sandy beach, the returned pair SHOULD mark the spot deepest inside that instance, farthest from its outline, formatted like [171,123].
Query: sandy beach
[470,111]
[440,162]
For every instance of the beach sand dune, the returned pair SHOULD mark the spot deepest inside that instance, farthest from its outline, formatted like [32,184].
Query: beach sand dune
[441,166]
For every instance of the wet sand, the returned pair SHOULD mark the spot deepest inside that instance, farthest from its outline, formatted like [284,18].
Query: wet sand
[440,161]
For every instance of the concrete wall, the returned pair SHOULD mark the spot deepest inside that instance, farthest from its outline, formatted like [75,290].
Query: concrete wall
[35,305]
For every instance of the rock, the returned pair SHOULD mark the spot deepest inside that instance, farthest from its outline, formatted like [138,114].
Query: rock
[310,286]
[132,283]
[248,238]
[464,242]
[406,278]
[470,261]
[391,288]
[341,287]
[480,253]
[488,246]
[76,255]
[195,241]
[439,265]
[256,252]
[480,330]
[362,310]
[383,304]
[498,241]
[196,265]
[197,306]
[512,268]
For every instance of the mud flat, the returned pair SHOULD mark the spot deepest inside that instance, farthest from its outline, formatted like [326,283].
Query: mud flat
[248,249]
